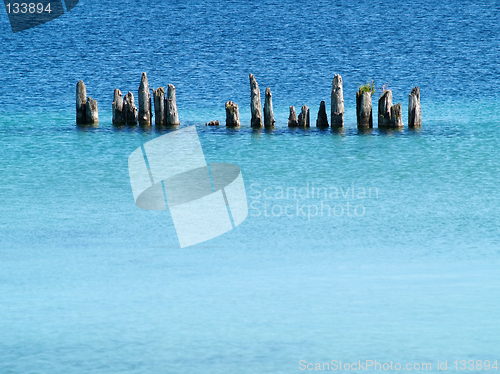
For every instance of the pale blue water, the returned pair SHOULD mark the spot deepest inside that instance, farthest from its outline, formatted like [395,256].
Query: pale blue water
[91,283]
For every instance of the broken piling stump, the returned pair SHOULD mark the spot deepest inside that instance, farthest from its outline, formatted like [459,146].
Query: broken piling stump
[414,108]
[172,115]
[81,103]
[337,102]
[255,104]
[304,120]
[232,114]
[384,110]
[159,103]
[212,123]
[322,120]
[396,116]
[292,118]
[389,116]
[117,108]
[364,109]
[129,109]
[92,115]
[268,109]
[144,97]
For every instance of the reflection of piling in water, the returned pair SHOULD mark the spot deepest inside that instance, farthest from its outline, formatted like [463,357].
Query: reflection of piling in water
[255,104]
[172,115]
[364,109]
[232,114]
[322,121]
[117,108]
[304,120]
[129,109]
[337,102]
[81,103]
[292,118]
[268,109]
[144,97]
[159,103]
[414,108]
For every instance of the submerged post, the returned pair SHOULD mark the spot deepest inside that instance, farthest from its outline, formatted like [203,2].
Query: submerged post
[171,107]
[304,117]
[255,104]
[268,109]
[414,108]
[129,109]
[81,102]
[292,118]
[117,108]
[159,102]
[232,115]
[322,121]
[337,110]
[144,102]
[364,109]
[92,112]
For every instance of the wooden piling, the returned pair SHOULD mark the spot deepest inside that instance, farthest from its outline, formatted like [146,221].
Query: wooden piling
[322,120]
[212,123]
[159,103]
[396,116]
[129,109]
[384,110]
[414,108]
[292,119]
[171,107]
[337,102]
[268,109]
[117,108]
[364,109]
[92,113]
[144,97]
[304,120]
[255,104]
[232,114]
[81,103]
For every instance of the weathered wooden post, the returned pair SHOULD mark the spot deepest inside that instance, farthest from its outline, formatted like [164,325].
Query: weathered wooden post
[322,120]
[414,109]
[81,102]
[292,118]
[389,116]
[384,110]
[129,109]
[117,108]
[364,109]
[268,109]
[92,115]
[304,117]
[337,101]
[255,104]
[159,102]
[396,116]
[232,114]
[172,115]
[213,123]
[144,97]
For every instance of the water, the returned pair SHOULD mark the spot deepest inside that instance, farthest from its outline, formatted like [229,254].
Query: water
[91,283]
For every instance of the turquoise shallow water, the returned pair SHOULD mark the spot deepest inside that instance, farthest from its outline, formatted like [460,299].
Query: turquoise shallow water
[91,283]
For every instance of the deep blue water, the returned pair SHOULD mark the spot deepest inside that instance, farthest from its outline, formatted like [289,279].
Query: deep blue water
[91,283]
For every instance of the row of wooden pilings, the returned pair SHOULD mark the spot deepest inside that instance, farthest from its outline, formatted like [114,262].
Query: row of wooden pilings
[125,111]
